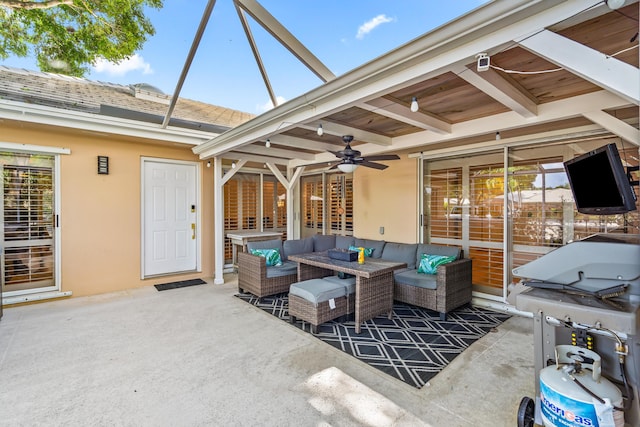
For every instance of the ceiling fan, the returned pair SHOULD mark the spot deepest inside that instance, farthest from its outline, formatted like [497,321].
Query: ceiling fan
[351,159]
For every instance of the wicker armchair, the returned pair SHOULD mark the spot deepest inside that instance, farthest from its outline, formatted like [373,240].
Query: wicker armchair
[252,277]
[453,289]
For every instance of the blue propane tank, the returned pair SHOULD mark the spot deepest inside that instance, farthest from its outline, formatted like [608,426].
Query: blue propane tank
[564,403]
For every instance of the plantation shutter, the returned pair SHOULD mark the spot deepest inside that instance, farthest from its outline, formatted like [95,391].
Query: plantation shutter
[28,227]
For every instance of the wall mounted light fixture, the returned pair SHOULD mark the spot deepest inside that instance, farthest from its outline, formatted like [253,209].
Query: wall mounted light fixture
[103,165]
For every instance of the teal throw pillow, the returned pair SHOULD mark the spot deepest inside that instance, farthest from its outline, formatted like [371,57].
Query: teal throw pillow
[272,256]
[367,251]
[429,263]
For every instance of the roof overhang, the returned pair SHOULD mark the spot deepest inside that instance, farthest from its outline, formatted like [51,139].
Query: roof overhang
[44,115]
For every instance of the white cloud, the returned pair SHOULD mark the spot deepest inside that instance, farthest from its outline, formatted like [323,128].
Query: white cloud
[269,105]
[371,24]
[136,62]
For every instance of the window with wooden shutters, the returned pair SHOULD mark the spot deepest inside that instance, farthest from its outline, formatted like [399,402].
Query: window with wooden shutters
[240,207]
[340,202]
[274,205]
[486,201]
[445,202]
[250,212]
[231,215]
[29,221]
[312,196]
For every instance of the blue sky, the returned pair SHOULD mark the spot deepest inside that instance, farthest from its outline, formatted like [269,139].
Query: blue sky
[343,34]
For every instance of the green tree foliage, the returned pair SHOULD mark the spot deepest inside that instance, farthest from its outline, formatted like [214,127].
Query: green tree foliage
[66,36]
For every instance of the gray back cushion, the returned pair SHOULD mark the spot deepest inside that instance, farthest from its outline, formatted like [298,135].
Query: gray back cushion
[377,246]
[401,252]
[266,244]
[430,249]
[343,242]
[298,246]
[322,242]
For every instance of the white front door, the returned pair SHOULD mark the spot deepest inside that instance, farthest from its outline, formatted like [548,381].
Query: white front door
[169,217]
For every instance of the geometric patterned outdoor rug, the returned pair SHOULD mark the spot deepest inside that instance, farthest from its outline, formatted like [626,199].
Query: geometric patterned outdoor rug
[413,346]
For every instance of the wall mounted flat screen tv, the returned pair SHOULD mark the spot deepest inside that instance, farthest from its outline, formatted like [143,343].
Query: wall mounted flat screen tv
[599,182]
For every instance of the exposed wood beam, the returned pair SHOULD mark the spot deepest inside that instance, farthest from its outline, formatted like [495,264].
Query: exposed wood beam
[274,152]
[305,144]
[255,158]
[500,89]
[280,33]
[393,110]
[231,172]
[547,113]
[339,130]
[600,69]
[256,54]
[614,125]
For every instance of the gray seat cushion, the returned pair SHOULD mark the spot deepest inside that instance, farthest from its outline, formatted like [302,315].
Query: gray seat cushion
[376,245]
[400,252]
[343,242]
[430,249]
[349,283]
[287,268]
[266,244]
[297,246]
[413,278]
[317,290]
[322,242]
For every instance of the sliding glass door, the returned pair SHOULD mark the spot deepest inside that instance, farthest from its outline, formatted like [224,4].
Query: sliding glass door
[510,206]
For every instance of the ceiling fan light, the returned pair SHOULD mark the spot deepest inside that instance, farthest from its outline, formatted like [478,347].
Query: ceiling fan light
[347,167]
[414,105]
[615,4]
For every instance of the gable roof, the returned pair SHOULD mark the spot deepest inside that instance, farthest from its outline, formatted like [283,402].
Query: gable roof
[139,102]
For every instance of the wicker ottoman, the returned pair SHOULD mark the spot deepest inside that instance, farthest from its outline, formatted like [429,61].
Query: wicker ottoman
[312,301]
[349,284]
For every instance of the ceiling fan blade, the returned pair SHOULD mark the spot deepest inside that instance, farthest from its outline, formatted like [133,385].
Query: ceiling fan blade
[373,165]
[383,157]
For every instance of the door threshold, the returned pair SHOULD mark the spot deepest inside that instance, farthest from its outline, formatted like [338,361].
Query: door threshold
[19,299]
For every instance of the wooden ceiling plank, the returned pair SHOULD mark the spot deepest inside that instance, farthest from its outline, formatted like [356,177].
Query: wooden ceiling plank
[401,113]
[358,134]
[600,69]
[306,144]
[497,87]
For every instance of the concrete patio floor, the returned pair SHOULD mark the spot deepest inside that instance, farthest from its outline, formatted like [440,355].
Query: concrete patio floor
[197,356]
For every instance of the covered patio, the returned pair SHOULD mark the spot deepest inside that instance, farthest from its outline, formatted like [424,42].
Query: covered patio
[507,76]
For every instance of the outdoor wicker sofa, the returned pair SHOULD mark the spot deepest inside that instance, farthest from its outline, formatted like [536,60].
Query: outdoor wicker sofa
[446,290]
[254,276]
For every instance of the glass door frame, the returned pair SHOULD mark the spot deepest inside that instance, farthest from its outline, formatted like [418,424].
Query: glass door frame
[57,257]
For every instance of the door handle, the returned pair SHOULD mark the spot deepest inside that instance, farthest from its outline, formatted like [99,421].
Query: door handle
[193,229]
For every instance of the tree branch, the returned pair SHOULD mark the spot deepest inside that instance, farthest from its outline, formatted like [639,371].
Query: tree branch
[28,5]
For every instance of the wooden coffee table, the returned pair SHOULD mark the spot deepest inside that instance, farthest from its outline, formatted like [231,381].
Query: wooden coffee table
[374,281]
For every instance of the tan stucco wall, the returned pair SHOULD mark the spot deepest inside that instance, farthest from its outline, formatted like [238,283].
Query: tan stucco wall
[387,198]
[100,214]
